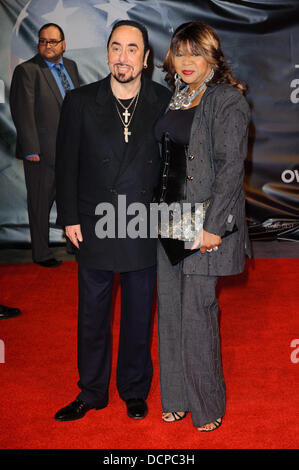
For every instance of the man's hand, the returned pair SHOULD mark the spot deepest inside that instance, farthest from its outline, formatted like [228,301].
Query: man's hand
[33,158]
[73,232]
[207,241]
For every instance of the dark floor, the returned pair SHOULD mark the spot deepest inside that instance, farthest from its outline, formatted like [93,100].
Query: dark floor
[260,249]
[23,255]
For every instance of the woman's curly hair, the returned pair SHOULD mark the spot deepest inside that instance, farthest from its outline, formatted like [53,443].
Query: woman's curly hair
[200,39]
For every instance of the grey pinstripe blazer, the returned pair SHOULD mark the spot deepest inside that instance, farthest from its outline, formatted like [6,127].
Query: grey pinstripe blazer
[215,169]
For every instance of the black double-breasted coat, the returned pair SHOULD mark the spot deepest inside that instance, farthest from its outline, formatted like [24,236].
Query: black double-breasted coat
[92,169]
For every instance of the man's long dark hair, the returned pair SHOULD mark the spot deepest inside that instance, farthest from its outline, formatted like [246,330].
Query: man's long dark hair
[135,24]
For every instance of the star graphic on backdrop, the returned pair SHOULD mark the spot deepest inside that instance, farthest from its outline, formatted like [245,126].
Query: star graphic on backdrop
[115,9]
[156,5]
[21,17]
[60,14]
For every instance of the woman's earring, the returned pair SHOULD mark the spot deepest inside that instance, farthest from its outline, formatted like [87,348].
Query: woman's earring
[177,80]
[145,66]
[210,76]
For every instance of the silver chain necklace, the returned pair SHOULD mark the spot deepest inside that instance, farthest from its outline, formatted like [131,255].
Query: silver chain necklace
[181,98]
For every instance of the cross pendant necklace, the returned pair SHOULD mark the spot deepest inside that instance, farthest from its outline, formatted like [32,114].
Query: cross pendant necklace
[126,134]
[128,116]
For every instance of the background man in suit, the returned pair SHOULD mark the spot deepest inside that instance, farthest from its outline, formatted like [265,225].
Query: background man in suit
[106,147]
[37,91]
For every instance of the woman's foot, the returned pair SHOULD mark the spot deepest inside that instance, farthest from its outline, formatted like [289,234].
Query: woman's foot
[211,426]
[173,416]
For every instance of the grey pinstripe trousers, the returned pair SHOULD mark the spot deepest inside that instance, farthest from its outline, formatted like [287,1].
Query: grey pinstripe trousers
[191,375]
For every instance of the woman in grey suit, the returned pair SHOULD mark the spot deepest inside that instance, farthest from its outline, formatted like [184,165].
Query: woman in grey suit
[204,141]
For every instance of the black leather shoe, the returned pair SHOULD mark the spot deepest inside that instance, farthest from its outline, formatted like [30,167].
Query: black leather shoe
[75,410]
[8,312]
[136,408]
[49,263]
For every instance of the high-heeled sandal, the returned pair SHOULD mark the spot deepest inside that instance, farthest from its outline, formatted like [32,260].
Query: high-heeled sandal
[216,424]
[175,415]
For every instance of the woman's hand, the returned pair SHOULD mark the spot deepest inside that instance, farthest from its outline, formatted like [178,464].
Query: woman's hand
[207,241]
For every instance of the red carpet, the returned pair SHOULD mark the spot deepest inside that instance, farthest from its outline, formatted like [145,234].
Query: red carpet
[259,319]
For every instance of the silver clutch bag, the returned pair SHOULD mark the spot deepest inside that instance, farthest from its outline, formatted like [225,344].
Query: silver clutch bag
[181,221]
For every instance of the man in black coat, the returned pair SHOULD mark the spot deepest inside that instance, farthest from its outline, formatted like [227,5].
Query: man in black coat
[37,90]
[106,150]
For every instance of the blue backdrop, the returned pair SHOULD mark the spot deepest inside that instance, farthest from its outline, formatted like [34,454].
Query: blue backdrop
[260,38]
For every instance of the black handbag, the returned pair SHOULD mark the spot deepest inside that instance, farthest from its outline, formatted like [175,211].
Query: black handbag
[176,251]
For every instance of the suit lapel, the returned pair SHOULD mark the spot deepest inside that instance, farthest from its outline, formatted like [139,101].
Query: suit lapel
[105,115]
[70,70]
[49,78]
[199,114]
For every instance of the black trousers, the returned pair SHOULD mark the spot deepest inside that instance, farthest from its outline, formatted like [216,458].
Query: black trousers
[40,184]
[134,365]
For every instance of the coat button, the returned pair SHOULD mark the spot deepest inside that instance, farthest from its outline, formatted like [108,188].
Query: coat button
[190,178]
[191,156]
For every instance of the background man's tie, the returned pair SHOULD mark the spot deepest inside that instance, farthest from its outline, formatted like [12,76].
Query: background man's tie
[63,78]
